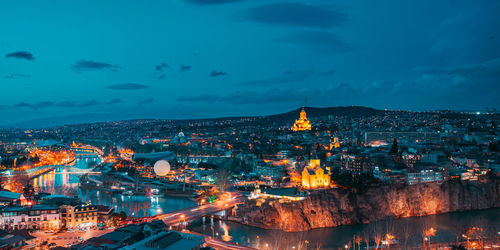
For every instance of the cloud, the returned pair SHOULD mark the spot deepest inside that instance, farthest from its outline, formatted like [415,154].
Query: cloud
[486,69]
[145,101]
[87,65]
[335,94]
[15,76]
[21,55]
[66,104]
[185,68]
[23,105]
[38,105]
[215,73]
[320,39]
[161,66]
[114,101]
[274,95]
[73,104]
[297,14]
[88,103]
[478,82]
[209,2]
[330,72]
[469,36]
[287,77]
[127,86]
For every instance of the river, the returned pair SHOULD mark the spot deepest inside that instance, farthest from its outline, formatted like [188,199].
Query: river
[61,181]
[408,231]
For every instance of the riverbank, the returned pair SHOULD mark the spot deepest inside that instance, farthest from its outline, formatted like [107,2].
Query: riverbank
[408,231]
[336,207]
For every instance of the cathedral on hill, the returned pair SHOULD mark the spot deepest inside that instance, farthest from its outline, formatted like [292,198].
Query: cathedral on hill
[302,124]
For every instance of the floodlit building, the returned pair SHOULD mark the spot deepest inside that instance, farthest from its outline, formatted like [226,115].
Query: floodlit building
[39,217]
[423,176]
[79,216]
[302,124]
[315,176]
[289,194]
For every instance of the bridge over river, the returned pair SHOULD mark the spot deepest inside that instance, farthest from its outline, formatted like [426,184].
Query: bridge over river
[194,213]
[35,172]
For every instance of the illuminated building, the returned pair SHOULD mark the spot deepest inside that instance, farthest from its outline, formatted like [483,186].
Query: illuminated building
[335,143]
[286,194]
[37,217]
[302,124]
[315,176]
[79,216]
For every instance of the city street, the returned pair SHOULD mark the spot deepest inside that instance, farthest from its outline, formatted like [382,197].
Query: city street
[63,239]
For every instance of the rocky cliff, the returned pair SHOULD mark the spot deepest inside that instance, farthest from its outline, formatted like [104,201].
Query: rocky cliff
[336,207]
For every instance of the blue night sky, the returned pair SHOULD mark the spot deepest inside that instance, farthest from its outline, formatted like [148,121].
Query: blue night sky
[213,58]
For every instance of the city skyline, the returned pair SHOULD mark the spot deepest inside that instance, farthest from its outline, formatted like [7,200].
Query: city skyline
[205,59]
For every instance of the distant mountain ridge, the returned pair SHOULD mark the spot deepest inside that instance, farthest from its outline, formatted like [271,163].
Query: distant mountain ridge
[312,112]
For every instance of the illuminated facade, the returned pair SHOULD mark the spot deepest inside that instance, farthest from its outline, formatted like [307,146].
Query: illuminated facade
[37,217]
[302,124]
[79,217]
[315,176]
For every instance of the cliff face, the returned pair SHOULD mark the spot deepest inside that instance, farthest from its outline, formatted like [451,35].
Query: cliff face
[343,207]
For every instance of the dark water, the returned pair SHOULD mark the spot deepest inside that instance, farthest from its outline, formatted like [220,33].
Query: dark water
[408,231]
[61,181]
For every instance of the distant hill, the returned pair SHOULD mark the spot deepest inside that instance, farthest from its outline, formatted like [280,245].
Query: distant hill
[353,111]
[67,120]
[312,112]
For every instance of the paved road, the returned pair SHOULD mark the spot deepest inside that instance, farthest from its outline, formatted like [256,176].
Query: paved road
[62,239]
[193,213]
[223,245]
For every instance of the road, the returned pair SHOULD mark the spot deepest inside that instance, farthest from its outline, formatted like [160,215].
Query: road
[219,244]
[223,245]
[193,213]
[67,238]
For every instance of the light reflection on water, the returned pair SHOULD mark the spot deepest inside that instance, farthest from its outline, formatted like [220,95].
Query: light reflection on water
[448,227]
[60,181]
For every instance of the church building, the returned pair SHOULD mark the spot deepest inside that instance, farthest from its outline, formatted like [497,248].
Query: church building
[302,124]
[315,176]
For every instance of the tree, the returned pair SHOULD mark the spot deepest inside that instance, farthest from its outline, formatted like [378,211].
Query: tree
[376,230]
[493,147]
[3,182]
[222,180]
[394,147]
[18,181]
[28,191]
[427,233]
